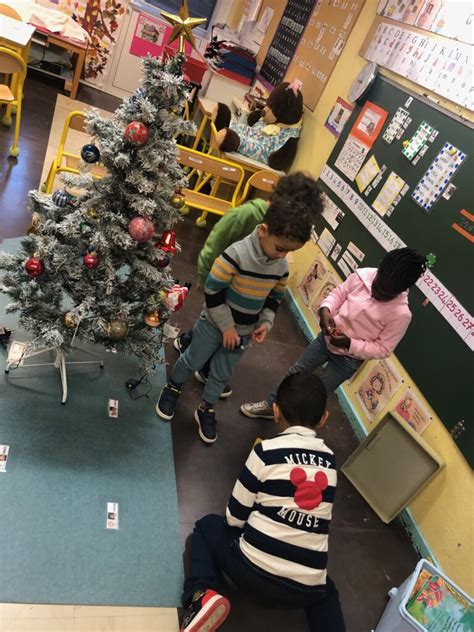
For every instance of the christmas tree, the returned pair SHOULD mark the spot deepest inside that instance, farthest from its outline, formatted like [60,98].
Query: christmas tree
[96,266]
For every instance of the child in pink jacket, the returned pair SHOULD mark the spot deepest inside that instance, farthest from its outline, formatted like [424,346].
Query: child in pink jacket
[363,318]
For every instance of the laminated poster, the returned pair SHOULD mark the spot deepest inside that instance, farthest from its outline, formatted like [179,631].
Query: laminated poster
[378,388]
[338,117]
[439,606]
[312,280]
[367,173]
[328,285]
[411,410]
[369,124]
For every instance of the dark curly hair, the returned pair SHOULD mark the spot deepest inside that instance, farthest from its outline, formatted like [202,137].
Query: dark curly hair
[289,219]
[302,190]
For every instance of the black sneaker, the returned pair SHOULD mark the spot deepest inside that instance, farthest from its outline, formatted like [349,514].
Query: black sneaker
[206,612]
[166,405]
[206,420]
[200,377]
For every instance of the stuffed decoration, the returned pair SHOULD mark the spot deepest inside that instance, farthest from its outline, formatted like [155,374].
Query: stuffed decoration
[271,134]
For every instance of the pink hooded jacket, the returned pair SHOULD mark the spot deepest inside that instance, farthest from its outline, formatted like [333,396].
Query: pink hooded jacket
[374,327]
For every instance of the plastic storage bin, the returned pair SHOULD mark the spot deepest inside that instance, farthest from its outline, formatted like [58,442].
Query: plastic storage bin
[397,619]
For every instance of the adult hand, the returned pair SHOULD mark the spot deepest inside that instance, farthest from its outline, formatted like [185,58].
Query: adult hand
[259,333]
[326,321]
[230,338]
[340,340]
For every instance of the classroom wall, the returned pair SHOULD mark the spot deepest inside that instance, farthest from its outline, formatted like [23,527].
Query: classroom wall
[443,510]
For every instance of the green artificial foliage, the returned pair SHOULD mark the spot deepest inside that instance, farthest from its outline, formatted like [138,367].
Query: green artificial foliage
[127,284]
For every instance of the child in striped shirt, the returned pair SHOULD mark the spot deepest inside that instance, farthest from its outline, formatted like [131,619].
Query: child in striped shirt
[273,542]
[243,292]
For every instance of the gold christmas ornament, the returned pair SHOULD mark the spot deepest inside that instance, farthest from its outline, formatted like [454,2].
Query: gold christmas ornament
[69,321]
[117,329]
[177,201]
[92,213]
[182,26]
[153,319]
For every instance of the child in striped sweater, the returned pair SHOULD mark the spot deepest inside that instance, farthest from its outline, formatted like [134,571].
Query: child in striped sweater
[243,292]
[273,542]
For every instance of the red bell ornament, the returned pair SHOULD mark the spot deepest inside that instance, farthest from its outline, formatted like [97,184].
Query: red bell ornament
[34,266]
[136,133]
[91,260]
[141,229]
[168,242]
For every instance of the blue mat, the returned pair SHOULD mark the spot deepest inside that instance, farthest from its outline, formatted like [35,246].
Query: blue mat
[65,464]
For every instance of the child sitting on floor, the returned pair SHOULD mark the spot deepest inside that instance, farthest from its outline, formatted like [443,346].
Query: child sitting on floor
[273,542]
[243,292]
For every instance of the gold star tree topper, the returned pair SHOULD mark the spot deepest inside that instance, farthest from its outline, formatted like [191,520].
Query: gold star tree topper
[182,25]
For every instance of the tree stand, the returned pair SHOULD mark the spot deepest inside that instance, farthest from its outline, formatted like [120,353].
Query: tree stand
[59,363]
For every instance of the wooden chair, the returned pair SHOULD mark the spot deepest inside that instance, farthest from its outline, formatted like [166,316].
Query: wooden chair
[221,172]
[260,180]
[65,161]
[11,92]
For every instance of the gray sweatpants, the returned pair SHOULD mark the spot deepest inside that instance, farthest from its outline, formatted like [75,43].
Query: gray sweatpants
[207,342]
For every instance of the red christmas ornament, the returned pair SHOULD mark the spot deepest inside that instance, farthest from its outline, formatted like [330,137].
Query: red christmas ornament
[167,242]
[91,260]
[141,229]
[34,266]
[175,297]
[136,133]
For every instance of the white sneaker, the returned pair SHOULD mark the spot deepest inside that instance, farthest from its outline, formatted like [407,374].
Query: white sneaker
[257,410]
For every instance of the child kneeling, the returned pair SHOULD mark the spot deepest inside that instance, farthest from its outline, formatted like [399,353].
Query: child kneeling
[273,541]
[243,292]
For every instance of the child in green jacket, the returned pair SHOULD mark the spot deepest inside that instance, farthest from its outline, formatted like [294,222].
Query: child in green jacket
[237,224]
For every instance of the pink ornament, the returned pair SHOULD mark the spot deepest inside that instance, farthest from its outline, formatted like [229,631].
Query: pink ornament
[175,297]
[91,260]
[136,133]
[141,229]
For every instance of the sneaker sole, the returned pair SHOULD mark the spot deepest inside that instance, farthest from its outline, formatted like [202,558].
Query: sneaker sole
[201,380]
[203,437]
[215,616]
[176,345]
[162,415]
[247,413]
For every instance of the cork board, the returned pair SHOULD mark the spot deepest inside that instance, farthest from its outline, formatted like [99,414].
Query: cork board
[322,42]
[278,8]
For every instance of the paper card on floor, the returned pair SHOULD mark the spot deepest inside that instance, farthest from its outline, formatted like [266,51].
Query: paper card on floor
[4,450]
[357,252]
[367,173]
[112,521]
[352,263]
[336,252]
[392,187]
[378,387]
[312,279]
[438,176]
[331,212]
[420,137]
[16,353]
[410,409]
[351,157]
[329,284]
[344,267]
[113,407]
[170,332]
[326,241]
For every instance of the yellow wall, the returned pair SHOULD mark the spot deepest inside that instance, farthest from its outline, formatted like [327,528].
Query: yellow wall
[444,509]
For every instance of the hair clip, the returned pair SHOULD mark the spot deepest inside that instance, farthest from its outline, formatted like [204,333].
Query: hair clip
[295,85]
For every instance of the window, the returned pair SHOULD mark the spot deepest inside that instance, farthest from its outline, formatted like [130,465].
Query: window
[197,8]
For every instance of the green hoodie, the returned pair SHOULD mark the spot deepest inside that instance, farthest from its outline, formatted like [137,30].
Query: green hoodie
[234,226]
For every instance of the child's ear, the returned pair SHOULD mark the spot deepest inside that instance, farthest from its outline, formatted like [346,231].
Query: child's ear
[322,422]
[262,230]
[276,413]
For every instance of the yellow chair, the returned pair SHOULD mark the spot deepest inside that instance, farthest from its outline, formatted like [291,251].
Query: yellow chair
[210,167]
[66,161]
[9,12]
[12,64]
[260,180]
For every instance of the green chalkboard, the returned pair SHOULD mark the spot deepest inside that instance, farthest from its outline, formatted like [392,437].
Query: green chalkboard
[437,358]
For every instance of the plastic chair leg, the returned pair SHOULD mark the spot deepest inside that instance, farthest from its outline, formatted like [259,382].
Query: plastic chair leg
[201,220]
[14,149]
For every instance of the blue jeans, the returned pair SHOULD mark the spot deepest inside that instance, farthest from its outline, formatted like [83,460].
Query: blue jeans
[338,369]
[207,344]
[215,551]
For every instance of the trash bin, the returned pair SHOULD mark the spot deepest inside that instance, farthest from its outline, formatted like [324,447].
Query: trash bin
[427,601]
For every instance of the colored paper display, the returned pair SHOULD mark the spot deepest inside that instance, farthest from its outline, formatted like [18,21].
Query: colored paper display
[416,142]
[378,388]
[367,173]
[369,123]
[392,187]
[327,286]
[331,212]
[411,410]
[309,284]
[338,117]
[400,121]
[326,241]
[351,157]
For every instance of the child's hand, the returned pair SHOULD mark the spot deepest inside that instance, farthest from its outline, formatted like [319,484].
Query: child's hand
[340,340]
[230,338]
[326,321]
[259,334]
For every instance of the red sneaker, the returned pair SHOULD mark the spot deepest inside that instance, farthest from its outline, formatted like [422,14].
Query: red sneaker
[206,612]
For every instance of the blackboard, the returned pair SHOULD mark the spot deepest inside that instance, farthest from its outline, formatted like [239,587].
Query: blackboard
[436,357]
[285,40]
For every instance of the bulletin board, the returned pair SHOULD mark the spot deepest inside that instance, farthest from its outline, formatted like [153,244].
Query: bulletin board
[437,350]
[285,41]
[322,42]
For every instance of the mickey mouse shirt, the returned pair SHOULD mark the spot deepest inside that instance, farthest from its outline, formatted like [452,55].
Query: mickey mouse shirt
[283,502]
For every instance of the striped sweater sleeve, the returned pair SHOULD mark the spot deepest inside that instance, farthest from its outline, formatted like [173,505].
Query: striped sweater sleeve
[272,303]
[218,280]
[245,489]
